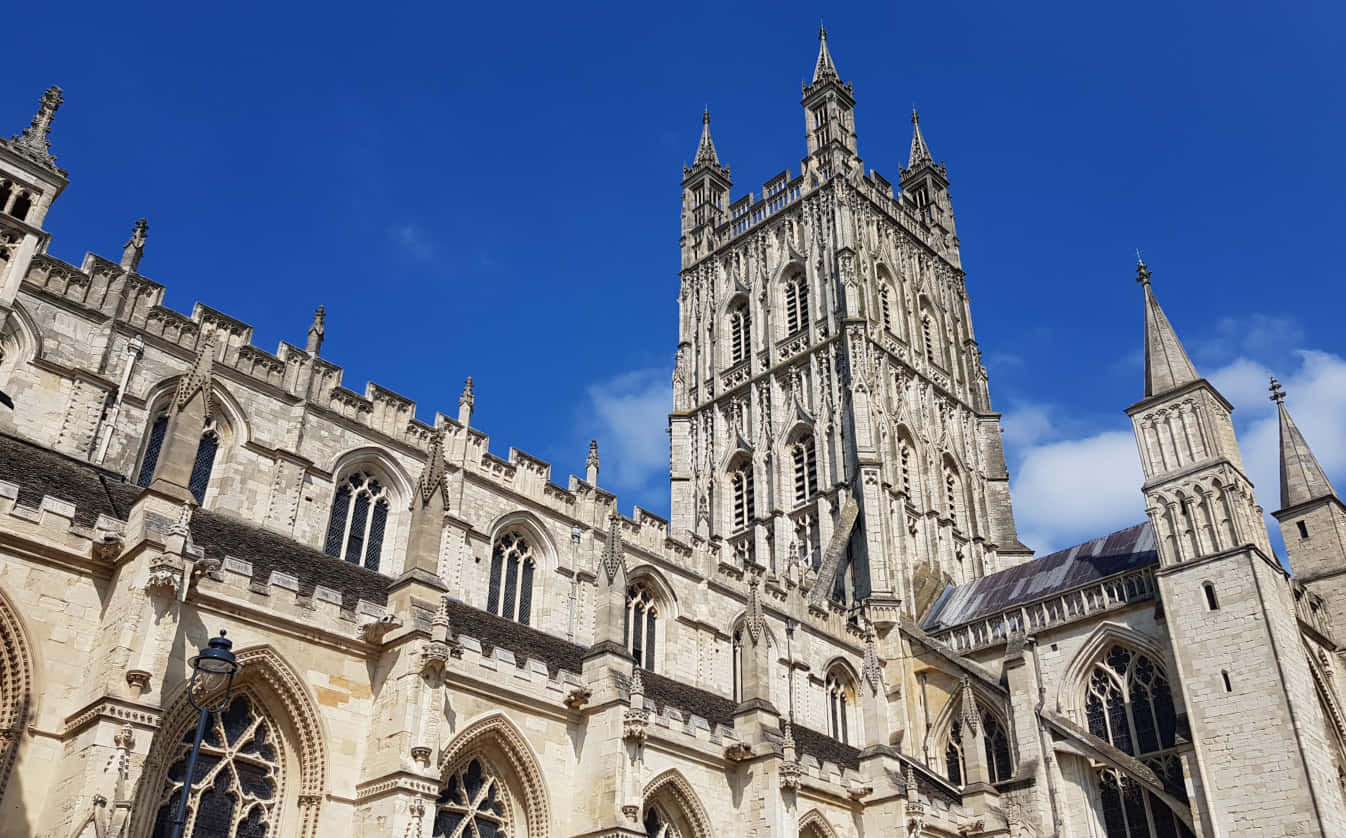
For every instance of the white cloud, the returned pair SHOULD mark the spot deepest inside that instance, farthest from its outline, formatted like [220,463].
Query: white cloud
[1026,424]
[632,409]
[1316,395]
[1071,490]
[1068,490]
[1256,335]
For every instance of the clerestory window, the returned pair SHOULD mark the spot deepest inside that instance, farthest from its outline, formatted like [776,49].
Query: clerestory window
[510,594]
[359,520]
[995,745]
[641,614]
[202,465]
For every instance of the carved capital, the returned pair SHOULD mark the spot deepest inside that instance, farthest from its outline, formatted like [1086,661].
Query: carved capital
[138,680]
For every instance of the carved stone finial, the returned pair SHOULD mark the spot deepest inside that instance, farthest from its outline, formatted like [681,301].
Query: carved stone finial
[1142,270]
[433,477]
[200,378]
[135,246]
[591,461]
[637,683]
[969,714]
[613,558]
[754,620]
[1277,392]
[467,398]
[317,331]
[35,141]
[871,672]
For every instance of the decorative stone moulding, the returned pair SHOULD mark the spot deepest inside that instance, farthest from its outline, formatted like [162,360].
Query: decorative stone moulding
[635,725]
[790,773]
[421,753]
[138,680]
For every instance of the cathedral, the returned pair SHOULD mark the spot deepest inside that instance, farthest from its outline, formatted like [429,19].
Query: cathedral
[836,633]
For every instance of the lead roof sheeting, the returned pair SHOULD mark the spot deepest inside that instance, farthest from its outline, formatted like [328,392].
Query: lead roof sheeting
[1118,552]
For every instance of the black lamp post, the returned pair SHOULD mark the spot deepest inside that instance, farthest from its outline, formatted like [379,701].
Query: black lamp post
[216,659]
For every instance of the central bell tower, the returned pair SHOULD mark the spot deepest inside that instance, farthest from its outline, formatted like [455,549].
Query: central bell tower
[831,420]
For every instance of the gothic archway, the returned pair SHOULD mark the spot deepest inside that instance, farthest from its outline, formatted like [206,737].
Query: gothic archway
[677,811]
[814,825]
[273,723]
[16,688]
[505,760]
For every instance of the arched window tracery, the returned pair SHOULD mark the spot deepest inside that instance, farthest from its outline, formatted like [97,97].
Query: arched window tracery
[804,459]
[359,519]
[202,466]
[642,614]
[1129,704]
[995,743]
[473,804]
[659,825]
[840,690]
[236,789]
[510,593]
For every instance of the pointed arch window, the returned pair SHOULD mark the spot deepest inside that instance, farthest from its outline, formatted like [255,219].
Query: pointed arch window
[740,333]
[886,307]
[736,661]
[510,594]
[359,520]
[840,702]
[239,772]
[473,804]
[741,485]
[1129,704]
[796,304]
[995,745]
[23,202]
[804,456]
[906,465]
[202,466]
[642,613]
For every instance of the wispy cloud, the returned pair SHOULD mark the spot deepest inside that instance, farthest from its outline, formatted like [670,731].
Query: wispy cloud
[1266,336]
[632,410]
[414,241]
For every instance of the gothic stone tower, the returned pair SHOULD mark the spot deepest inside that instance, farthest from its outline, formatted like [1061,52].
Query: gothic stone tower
[1256,724]
[29,182]
[831,413]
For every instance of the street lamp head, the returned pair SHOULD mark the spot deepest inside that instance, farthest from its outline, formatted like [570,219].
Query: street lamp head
[217,658]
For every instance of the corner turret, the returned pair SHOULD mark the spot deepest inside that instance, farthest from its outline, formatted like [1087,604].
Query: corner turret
[925,183]
[705,197]
[829,117]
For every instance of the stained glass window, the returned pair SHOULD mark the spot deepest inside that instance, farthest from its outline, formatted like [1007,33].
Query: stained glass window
[359,519]
[472,805]
[233,791]
[510,594]
[152,449]
[1129,704]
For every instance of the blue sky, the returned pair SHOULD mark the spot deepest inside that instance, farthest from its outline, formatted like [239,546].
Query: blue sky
[492,190]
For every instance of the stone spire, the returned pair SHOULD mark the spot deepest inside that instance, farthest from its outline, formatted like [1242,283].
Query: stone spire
[316,332]
[591,463]
[920,152]
[705,150]
[1167,366]
[1302,478]
[35,141]
[134,248]
[824,70]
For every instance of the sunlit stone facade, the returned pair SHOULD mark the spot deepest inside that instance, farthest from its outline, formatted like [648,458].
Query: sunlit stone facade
[836,633]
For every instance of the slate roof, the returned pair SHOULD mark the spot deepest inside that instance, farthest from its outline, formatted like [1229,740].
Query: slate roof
[1124,550]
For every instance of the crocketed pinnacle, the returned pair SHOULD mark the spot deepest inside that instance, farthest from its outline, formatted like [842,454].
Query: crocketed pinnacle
[705,150]
[1167,366]
[35,143]
[1302,477]
[824,70]
[920,152]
